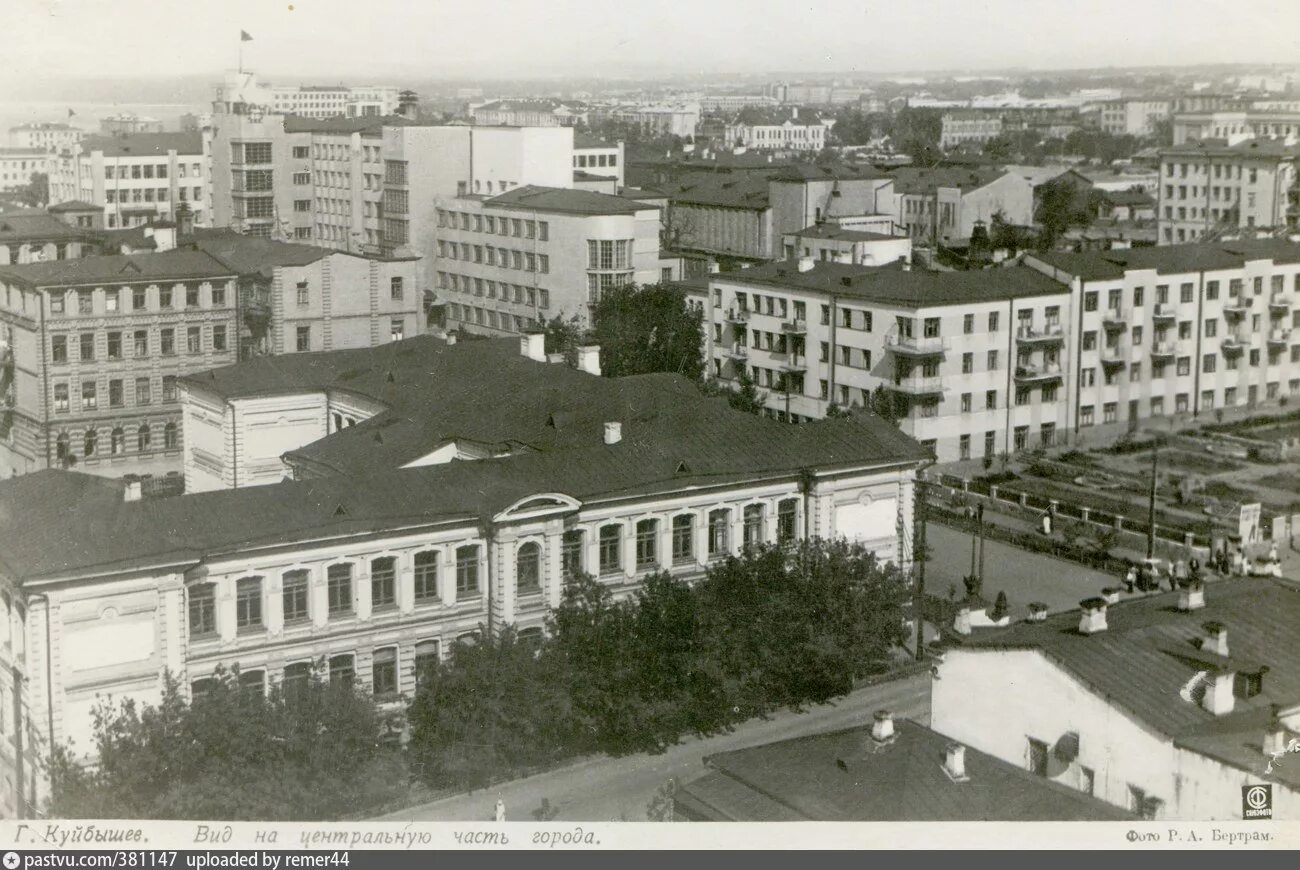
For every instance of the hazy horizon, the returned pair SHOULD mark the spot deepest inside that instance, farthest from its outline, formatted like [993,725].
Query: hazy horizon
[343,40]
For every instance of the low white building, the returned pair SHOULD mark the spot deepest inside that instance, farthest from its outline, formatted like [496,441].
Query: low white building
[1168,706]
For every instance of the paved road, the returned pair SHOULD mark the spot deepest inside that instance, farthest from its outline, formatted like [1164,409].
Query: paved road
[1025,576]
[615,789]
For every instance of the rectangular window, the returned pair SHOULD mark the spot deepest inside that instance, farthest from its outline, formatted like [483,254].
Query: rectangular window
[342,671]
[426,575]
[303,339]
[752,529]
[467,570]
[59,348]
[219,337]
[611,549]
[203,609]
[383,583]
[427,656]
[87,341]
[194,339]
[115,394]
[89,396]
[164,297]
[1038,757]
[647,544]
[248,603]
[167,341]
[142,391]
[719,532]
[339,589]
[395,288]
[571,560]
[991,400]
[383,672]
[294,596]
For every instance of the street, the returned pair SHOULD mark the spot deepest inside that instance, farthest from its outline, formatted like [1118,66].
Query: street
[1024,576]
[616,789]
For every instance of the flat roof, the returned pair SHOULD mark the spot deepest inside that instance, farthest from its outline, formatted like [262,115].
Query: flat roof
[563,201]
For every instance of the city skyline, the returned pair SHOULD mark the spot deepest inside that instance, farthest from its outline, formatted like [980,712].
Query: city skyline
[317,38]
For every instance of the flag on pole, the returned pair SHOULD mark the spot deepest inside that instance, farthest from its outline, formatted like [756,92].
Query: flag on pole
[244,37]
[71,113]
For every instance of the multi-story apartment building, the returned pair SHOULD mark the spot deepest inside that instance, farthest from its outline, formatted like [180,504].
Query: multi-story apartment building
[1134,117]
[45,136]
[862,244]
[391,552]
[63,232]
[511,262]
[128,124]
[328,101]
[596,157]
[138,179]
[95,346]
[1040,354]
[654,119]
[18,165]
[970,127]
[944,203]
[347,174]
[1208,188]
[1214,713]
[784,129]
[529,113]
[1281,122]
[731,103]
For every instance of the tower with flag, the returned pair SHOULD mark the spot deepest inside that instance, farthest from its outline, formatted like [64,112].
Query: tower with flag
[244,36]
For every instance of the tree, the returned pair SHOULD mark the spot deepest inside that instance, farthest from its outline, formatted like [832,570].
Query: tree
[980,251]
[36,193]
[648,329]
[745,397]
[563,336]
[313,752]
[888,404]
[1059,208]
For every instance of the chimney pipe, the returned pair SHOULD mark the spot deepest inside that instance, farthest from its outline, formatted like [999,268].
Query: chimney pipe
[1092,619]
[955,762]
[1110,595]
[451,339]
[1275,739]
[805,264]
[613,432]
[1037,611]
[589,359]
[1219,697]
[882,726]
[1191,596]
[961,622]
[533,346]
[1216,639]
[133,491]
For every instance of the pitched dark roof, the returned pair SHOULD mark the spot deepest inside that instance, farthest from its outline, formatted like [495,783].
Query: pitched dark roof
[119,269]
[742,190]
[549,417]
[563,201]
[74,205]
[845,776]
[35,224]
[894,285]
[1171,259]
[760,116]
[839,233]
[246,255]
[837,171]
[917,180]
[1128,197]
[1150,652]
[144,144]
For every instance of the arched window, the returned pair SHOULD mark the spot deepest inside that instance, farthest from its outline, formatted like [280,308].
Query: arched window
[61,447]
[719,532]
[683,538]
[142,438]
[169,436]
[117,441]
[90,442]
[647,544]
[426,575]
[787,519]
[753,528]
[611,549]
[528,568]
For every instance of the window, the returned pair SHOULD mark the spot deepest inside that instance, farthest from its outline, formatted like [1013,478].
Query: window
[1037,760]
[426,576]
[383,583]
[719,532]
[194,339]
[611,548]
[302,292]
[993,361]
[248,603]
[169,436]
[164,297]
[339,589]
[297,678]
[85,302]
[115,394]
[59,348]
[89,396]
[427,655]
[219,336]
[683,538]
[1109,412]
[143,438]
[294,596]
[1086,415]
[203,609]
[528,568]
[303,338]
[141,341]
[383,672]
[56,304]
[342,671]
[395,288]
[571,553]
[968,324]
[647,544]
[142,391]
[467,570]
[1090,340]
[991,400]
[752,530]
[191,296]
[167,342]
[1208,363]
[87,342]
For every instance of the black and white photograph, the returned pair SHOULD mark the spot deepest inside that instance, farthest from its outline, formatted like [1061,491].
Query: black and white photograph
[530,421]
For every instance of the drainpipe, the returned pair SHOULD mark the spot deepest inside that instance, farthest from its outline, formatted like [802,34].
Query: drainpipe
[488,532]
[830,355]
[807,480]
[1200,334]
[49,693]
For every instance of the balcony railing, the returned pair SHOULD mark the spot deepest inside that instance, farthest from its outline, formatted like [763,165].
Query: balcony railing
[795,362]
[1234,344]
[737,351]
[1279,335]
[918,386]
[797,326]
[913,345]
[1114,356]
[1049,333]
[1165,311]
[738,315]
[1236,306]
[1280,302]
[1115,319]
[1038,372]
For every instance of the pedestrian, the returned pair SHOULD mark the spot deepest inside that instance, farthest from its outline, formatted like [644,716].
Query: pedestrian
[1130,579]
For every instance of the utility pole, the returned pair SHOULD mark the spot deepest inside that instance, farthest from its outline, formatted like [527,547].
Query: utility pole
[1151,504]
[918,557]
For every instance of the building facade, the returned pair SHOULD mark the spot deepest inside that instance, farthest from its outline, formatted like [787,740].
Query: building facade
[1209,189]
[1134,117]
[61,233]
[944,204]
[18,165]
[1282,122]
[961,128]
[777,130]
[138,179]
[529,113]
[45,136]
[96,346]
[313,101]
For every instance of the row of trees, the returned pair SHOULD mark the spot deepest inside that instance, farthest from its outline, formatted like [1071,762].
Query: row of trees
[775,627]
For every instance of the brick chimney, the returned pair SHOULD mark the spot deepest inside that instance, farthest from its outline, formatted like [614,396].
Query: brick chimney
[882,726]
[589,359]
[954,763]
[1110,595]
[1092,616]
[1037,611]
[533,346]
[1219,697]
[961,622]
[806,264]
[1191,596]
[1275,738]
[613,432]
[1216,639]
[134,491]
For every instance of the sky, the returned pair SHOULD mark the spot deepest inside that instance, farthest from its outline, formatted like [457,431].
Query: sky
[485,39]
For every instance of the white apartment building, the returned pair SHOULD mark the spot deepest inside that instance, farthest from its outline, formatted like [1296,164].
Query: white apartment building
[347,175]
[1008,359]
[729,103]
[1131,117]
[655,119]
[528,113]
[944,203]
[328,101]
[45,136]
[596,157]
[961,128]
[1168,706]
[138,179]
[18,165]
[1209,188]
[783,129]
[1278,122]
[513,261]
[378,568]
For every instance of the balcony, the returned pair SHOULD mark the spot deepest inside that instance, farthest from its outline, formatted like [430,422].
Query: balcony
[1038,372]
[918,386]
[1279,336]
[1163,349]
[1234,344]
[798,326]
[1114,357]
[795,362]
[911,345]
[737,351]
[738,315]
[1279,303]
[1166,311]
[1236,306]
[1050,333]
[1115,320]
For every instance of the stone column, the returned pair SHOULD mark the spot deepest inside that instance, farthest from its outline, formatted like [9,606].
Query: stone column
[406,583]
[318,592]
[273,592]
[553,566]
[447,576]
[665,542]
[226,611]
[361,602]
[505,552]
